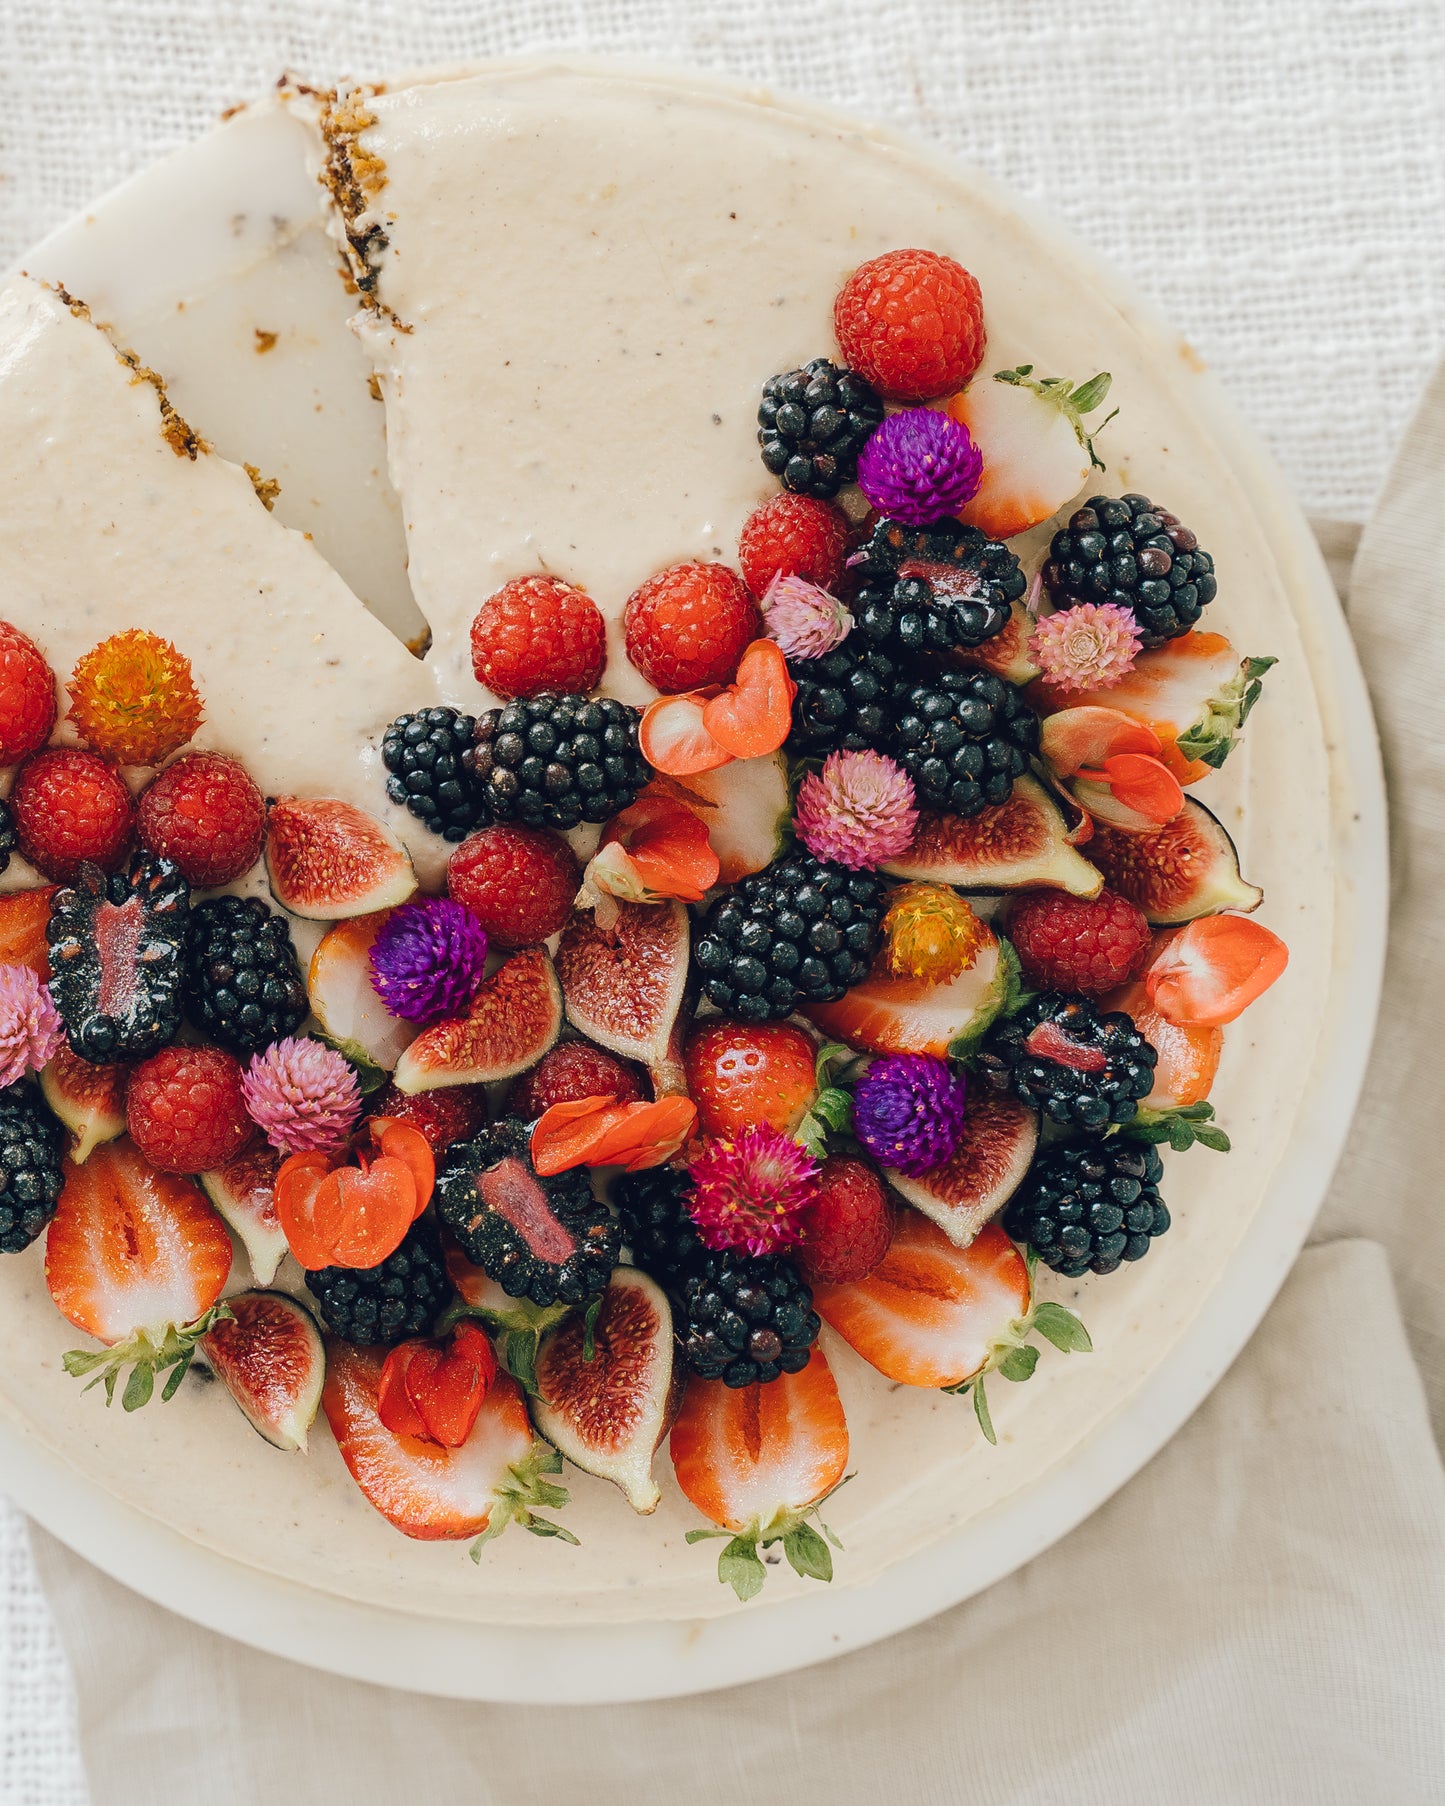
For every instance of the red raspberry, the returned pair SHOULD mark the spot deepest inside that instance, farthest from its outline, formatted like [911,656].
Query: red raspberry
[27,696]
[450,1113]
[205,813]
[71,806]
[848,1227]
[688,626]
[183,1109]
[1069,943]
[519,883]
[536,634]
[912,323]
[574,1070]
[797,536]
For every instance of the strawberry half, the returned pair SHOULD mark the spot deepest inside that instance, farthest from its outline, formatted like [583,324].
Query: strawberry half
[1037,453]
[759,1461]
[438,1494]
[137,1259]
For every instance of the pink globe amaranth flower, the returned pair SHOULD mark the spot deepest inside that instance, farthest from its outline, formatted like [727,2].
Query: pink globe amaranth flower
[748,1190]
[1091,647]
[858,811]
[806,620]
[428,959]
[919,466]
[303,1095]
[908,1111]
[31,1032]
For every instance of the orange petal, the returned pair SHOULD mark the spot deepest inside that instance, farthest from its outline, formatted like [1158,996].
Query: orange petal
[755,712]
[1076,738]
[406,1143]
[599,1132]
[563,1133]
[656,848]
[655,1136]
[1143,784]
[393,1406]
[674,738]
[1213,969]
[297,1182]
[362,1213]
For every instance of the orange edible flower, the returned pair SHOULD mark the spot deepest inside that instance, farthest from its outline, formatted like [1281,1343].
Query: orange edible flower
[598,1131]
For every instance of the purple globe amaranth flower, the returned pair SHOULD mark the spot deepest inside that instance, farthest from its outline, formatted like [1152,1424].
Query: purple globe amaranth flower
[908,1112]
[428,960]
[919,466]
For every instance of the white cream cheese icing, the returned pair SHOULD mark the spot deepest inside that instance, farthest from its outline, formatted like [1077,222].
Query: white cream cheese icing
[598,272]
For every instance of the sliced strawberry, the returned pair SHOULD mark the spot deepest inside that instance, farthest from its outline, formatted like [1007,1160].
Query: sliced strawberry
[427,1491]
[23,918]
[1036,453]
[931,1313]
[753,715]
[598,1131]
[1188,1056]
[137,1259]
[915,1015]
[674,738]
[1213,969]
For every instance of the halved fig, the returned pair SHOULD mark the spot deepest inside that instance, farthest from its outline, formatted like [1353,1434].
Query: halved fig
[515,1017]
[327,859]
[1007,653]
[624,984]
[88,1099]
[344,1000]
[997,1145]
[244,1192]
[24,915]
[270,1356]
[746,807]
[916,1015]
[1187,868]
[608,1411]
[1024,841]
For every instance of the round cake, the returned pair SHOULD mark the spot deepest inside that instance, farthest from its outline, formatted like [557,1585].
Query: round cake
[554,453]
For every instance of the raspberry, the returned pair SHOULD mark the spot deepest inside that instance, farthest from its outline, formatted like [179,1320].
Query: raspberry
[27,696]
[1073,944]
[793,536]
[518,882]
[572,1071]
[205,814]
[848,1226]
[687,627]
[184,1111]
[70,806]
[450,1113]
[536,634]
[911,322]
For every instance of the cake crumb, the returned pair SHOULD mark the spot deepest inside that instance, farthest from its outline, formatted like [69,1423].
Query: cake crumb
[267,488]
[265,341]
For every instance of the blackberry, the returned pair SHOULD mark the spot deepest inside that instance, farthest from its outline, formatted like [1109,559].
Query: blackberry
[547,1239]
[1080,1066]
[963,737]
[812,424]
[746,1318]
[555,761]
[119,939]
[1136,554]
[425,755]
[379,1306]
[31,1144]
[931,589]
[843,700]
[9,839]
[1085,1206]
[243,980]
[802,931]
[659,1233]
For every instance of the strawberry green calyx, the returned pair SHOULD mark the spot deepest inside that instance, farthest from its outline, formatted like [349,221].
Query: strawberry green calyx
[1181,1127]
[518,1331]
[1072,401]
[1212,736]
[147,1353]
[528,1488]
[740,1564]
[831,1111]
[1015,1357]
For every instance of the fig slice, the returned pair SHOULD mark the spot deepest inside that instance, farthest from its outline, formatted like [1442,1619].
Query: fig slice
[88,1099]
[515,1017]
[1186,869]
[997,1146]
[244,1192]
[624,984]
[270,1357]
[1006,653]
[344,1000]
[1022,842]
[327,859]
[608,1410]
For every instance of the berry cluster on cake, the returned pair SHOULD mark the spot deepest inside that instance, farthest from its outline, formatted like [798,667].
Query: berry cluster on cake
[857,975]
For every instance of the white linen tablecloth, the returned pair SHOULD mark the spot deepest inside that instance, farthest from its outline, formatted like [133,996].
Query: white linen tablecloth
[1259,1616]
